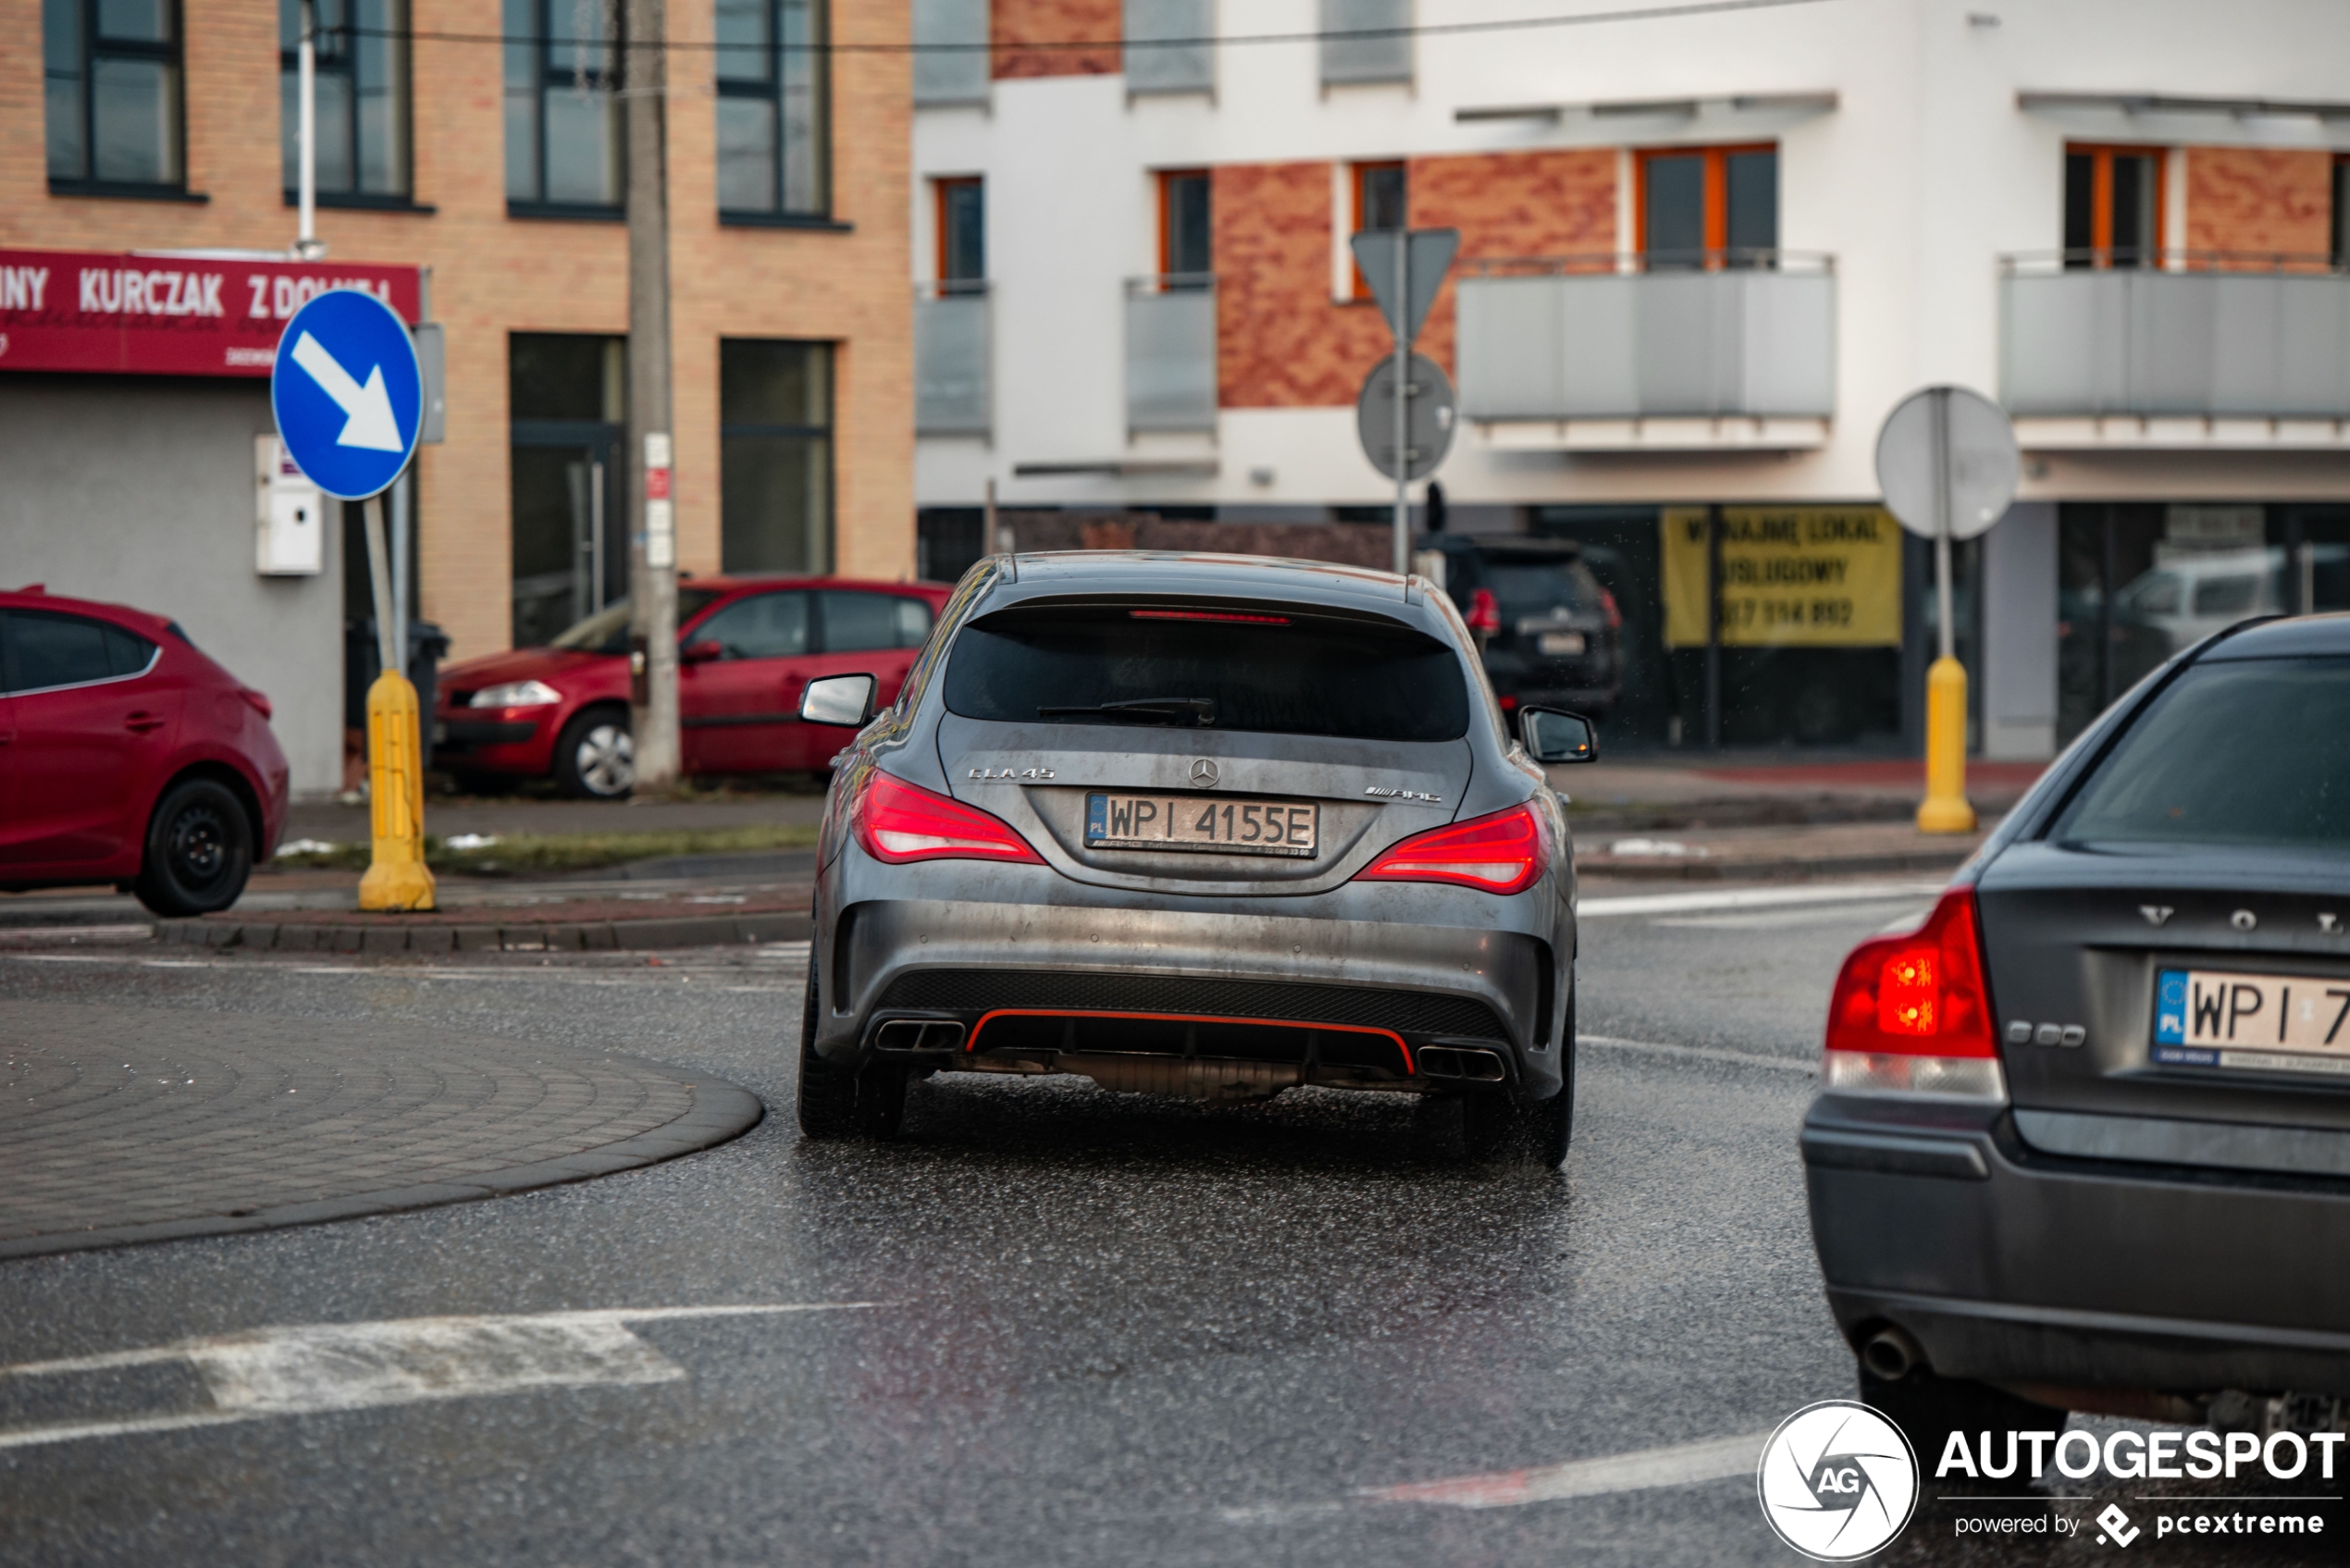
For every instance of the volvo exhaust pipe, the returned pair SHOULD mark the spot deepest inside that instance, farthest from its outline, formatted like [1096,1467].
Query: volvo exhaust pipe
[1891,1353]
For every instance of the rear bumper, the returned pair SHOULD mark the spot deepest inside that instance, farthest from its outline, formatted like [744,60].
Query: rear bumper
[2013,1267]
[1013,954]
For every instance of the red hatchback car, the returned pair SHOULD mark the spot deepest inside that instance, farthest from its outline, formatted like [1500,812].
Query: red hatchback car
[746,645]
[128,756]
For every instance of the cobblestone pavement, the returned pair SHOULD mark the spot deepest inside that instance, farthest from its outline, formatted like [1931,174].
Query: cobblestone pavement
[125,1124]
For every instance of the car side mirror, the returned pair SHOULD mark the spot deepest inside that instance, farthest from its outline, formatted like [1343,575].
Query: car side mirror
[845,700]
[1554,736]
[701,652]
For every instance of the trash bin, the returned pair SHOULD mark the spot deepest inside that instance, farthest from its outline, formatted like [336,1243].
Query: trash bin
[427,646]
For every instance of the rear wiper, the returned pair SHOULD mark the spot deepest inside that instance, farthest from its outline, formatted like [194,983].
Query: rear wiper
[1196,710]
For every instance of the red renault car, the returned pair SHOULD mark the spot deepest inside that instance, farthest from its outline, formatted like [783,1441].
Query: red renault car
[127,756]
[746,645]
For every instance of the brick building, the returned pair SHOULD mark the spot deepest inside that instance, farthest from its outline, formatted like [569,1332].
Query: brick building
[1700,259]
[479,153]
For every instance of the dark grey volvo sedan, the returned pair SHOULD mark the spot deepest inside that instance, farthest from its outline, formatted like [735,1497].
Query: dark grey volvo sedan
[1199,825]
[2082,1141]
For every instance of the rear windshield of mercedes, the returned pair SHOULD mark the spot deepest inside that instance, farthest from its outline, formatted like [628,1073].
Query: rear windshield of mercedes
[1264,671]
[2251,752]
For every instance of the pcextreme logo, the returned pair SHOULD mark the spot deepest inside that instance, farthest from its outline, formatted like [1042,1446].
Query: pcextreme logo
[1837,1481]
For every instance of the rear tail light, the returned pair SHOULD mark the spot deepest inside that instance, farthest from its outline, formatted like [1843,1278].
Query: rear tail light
[1912,1015]
[1615,615]
[1501,853]
[255,700]
[896,822]
[1484,616]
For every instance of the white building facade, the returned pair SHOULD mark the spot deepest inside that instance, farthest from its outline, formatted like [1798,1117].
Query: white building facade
[1703,257]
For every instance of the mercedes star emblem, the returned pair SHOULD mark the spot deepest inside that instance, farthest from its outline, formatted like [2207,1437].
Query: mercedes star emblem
[1203,774]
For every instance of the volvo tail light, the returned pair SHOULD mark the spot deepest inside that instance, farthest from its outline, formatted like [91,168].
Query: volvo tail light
[896,822]
[1501,853]
[1912,1015]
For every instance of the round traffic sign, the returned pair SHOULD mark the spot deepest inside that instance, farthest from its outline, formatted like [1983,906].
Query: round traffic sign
[347,392]
[1947,437]
[1429,409]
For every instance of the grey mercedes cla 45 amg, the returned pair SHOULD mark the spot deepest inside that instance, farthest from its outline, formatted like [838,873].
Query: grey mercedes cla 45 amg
[1195,825]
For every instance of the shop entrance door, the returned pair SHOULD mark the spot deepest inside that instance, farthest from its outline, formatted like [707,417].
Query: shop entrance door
[570,550]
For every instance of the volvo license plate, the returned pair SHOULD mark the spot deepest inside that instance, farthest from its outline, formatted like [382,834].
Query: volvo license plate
[1189,822]
[2258,1022]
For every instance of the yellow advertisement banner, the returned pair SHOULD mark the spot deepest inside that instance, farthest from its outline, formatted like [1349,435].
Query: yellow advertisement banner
[1792,576]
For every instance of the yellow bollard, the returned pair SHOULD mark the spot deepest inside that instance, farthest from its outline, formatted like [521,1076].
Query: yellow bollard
[397,878]
[1945,807]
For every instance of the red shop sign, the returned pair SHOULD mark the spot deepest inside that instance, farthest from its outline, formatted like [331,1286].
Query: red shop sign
[185,313]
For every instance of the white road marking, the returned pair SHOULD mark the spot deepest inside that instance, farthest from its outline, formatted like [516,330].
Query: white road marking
[1682,1465]
[314,1369]
[1784,920]
[1707,1053]
[1754,899]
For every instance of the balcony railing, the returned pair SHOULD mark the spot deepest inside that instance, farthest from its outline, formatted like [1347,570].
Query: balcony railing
[1164,47]
[1710,334]
[1381,49]
[952,360]
[951,75]
[1170,352]
[2207,334]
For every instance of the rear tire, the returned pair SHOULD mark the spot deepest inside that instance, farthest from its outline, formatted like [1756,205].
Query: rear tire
[835,1102]
[595,756]
[827,1093]
[1928,1408]
[1496,1127]
[199,850]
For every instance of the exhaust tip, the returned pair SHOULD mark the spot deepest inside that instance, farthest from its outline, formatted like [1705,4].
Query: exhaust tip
[913,1035]
[1891,1353]
[1454,1061]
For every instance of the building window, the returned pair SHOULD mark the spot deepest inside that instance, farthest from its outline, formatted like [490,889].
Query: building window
[775,455]
[111,81]
[962,233]
[2113,205]
[568,400]
[563,137]
[1381,200]
[1166,47]
[1709,207]
[361,50]
[1186,249]
[773,120]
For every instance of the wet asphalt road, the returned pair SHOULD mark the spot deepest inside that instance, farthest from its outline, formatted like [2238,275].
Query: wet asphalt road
[1104,1329]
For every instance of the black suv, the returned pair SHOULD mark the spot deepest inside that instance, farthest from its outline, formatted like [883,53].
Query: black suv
[1551,635]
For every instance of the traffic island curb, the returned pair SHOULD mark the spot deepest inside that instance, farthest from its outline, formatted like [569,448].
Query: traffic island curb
[412,933]
[718,1112]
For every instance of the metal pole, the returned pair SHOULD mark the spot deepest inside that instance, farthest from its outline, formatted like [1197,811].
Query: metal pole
[1945,807]
[400,528]
[991,543]
[652,559]
[1941,426]
[379,580]
[306,244]
[1402,393]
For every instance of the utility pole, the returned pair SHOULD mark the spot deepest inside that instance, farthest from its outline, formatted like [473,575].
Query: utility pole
[652,554]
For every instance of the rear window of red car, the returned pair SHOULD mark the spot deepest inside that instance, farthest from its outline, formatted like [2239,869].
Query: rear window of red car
[44,648]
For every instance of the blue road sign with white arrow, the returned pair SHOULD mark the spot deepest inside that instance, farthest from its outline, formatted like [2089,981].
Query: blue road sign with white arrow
[347,393]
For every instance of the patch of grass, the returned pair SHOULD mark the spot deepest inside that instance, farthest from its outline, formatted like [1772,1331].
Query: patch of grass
[569,852]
